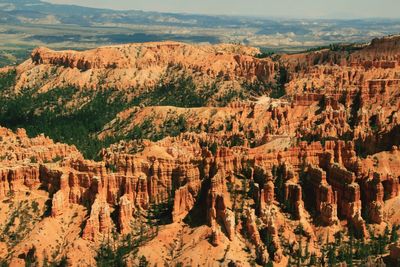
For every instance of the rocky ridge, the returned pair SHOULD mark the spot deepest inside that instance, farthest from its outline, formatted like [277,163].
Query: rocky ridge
[141,66]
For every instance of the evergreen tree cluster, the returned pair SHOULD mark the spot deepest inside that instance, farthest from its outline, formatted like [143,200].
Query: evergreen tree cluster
[115,254]
[355,252]
[76,127]
[7,80]
[181,92]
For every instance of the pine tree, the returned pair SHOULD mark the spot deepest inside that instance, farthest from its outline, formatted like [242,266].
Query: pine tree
[322,259]
[143,262]
[349,257]
[382,244]
[45,261]
[331,256]
[338,238]
[342,255]
[313,259]
[31,257]
[386,235]
[299,252]
[394,235]
[358,250]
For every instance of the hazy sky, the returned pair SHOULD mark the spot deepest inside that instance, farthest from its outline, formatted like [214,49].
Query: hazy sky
[276,8]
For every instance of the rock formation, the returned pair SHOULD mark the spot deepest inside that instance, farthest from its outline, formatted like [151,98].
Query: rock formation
[323,159]
[142,65]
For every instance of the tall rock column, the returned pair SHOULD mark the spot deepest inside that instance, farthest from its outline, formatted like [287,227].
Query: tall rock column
[99,223]
[373,198]
[219,204]
[325,197]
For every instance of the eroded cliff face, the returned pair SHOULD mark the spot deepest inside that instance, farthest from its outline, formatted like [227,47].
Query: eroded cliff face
[259,175]
[371,68]
[179,169]
[142,66]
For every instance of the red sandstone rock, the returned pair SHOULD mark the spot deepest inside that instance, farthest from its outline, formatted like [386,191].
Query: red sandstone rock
[321,101]
[251,227]
[143,65]
[219,204]
[183,203]
[125,216]
[326,198]
[99,222]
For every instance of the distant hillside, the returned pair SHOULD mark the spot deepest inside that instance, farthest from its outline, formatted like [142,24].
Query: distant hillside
[37,11]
